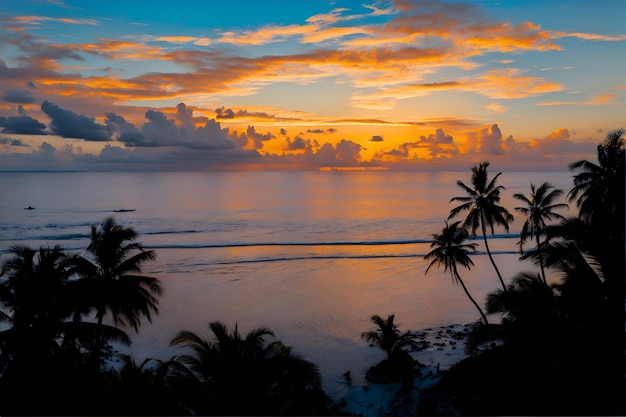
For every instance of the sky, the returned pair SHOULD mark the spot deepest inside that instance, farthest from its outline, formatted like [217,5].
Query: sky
[308,85]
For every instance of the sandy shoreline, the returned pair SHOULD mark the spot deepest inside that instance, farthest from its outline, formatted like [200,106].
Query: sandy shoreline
[445,347]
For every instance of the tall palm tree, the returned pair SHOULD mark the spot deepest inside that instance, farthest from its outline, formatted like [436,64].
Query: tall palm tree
[481,203]
[451,250]
[540,206]
[244,374]
[113,281]
[599,192]
[387,336]
[38,292]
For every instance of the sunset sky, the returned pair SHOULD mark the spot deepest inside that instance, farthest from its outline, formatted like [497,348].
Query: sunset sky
[251,84]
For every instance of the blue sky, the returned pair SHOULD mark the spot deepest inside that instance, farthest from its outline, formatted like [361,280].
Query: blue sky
[308,85]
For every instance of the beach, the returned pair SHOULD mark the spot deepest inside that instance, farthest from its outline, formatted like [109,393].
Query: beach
[312,266]
[444,347]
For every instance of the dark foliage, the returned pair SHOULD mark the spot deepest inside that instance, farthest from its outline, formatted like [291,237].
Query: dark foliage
[562,345]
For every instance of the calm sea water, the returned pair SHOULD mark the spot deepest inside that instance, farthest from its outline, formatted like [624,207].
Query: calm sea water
[311,255]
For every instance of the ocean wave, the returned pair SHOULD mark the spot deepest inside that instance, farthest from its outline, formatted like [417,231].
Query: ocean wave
[65,236]
[286,244]
[315,257]
[171,232]
[340,256]
[377,242]
[39,234]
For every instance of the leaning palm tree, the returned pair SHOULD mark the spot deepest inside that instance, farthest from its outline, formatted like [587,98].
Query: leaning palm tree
[451,250]
[481,203]
[540,206]
[387,336]
[113,281]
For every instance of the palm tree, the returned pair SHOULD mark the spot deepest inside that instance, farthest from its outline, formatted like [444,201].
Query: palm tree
[387,336]
[599,189]
[599,192]
[450,251]
[39,294]
[539,207]
[31,292]
[113,281]
[529,314]
[481,203]
[245,374]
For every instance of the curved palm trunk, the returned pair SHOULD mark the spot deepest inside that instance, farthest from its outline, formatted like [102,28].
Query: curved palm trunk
[484,229]
[482,314]
[543,272]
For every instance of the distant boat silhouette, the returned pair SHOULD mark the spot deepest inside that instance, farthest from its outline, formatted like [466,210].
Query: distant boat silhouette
[123,210]
[29,208]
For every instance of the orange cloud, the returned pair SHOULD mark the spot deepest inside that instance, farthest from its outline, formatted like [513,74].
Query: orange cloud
[36,19]
[326,18]
[603,100]
[265,35]
[499,83]
[176,39]
[607,99]
[496,107]
[120,49]
[316,36]
[590,36]
[509,83]
[465,27]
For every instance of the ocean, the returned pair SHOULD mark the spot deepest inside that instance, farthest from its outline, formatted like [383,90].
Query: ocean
[311,255]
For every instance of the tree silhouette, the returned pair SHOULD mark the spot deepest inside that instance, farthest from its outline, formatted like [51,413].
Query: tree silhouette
[599,192]
[31,291]
[41,351]
[530,314]
[450,250]
[597,188]
[243,375]
[115,276]
[111,280]
[481,203]
[540,206]
[387,336]
[571,333]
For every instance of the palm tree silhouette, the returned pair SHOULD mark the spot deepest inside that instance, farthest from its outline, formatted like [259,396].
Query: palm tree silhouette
[111,282]
[31,291]
[599,192]
[114,281]
[481,203]
[245,374]
[539,207]
[529,312]
[387,336]
[44,342]
[598,189]
[451,250]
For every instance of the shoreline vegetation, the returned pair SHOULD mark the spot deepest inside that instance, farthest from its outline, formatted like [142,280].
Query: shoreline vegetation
[558,348]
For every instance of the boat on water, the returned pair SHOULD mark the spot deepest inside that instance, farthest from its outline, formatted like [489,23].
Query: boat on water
[29,208]
[123,210]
